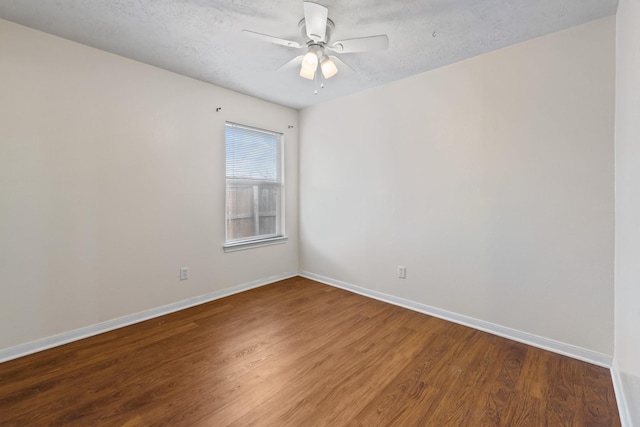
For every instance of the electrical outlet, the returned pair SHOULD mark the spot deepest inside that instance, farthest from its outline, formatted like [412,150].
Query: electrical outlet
[402,272]
[184,273]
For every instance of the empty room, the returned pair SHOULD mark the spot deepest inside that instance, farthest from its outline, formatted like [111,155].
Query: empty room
[296,213]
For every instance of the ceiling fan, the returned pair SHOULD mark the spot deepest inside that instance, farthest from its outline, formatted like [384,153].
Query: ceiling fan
[316,29]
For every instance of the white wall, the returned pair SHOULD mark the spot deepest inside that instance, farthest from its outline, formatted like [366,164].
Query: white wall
[491,180]
[627,268]
[111,179]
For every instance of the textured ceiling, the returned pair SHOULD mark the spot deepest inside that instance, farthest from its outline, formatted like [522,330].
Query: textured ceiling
[202,38]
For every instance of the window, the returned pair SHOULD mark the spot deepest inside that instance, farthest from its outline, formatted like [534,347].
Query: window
[254,187]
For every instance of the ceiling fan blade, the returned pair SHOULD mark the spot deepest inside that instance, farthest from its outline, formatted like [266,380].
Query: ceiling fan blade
[294,63]
[341,63]
[272,39]
[362,44]
[315,19]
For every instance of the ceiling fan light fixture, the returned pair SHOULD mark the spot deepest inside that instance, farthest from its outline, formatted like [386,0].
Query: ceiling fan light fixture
[329,68]
[309,65]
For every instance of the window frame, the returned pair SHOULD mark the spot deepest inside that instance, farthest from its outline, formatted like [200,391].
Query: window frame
[265,239]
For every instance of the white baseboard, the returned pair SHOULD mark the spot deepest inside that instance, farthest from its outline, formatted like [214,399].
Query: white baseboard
[625,417]
[98,328]
[513,334]
[564,349]
[620,398]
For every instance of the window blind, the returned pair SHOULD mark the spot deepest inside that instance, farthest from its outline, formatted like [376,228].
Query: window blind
[254,184]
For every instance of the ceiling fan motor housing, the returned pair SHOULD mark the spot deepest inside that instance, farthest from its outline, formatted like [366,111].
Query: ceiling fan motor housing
[327,37]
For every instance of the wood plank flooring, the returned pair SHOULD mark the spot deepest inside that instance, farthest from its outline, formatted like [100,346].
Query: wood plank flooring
[299,353]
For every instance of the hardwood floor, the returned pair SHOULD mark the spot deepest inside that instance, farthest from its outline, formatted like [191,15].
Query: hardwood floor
[299,353]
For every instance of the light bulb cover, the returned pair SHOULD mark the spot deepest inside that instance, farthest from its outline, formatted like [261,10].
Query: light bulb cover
[329,68]
[309,65]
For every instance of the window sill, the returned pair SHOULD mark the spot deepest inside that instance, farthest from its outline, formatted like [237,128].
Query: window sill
[239,246]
